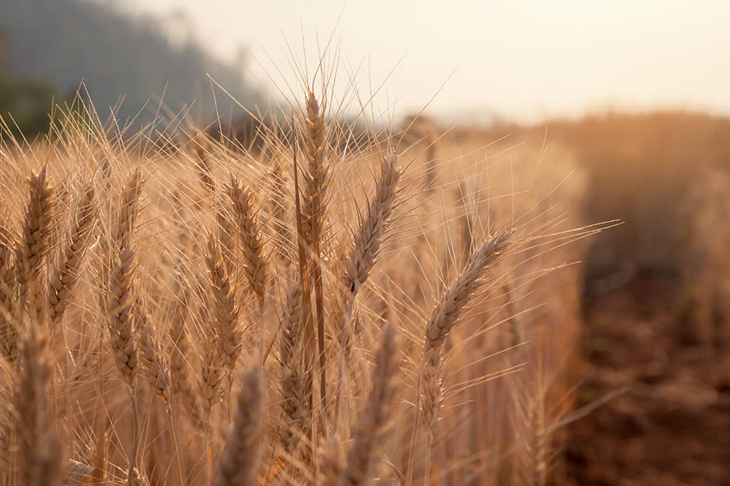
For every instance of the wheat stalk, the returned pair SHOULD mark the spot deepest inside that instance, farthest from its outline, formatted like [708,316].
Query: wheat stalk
[317,175]
[444,316]
[67,273]
[155,367]
[369,238]
[256,263]
[122,291]
[376,415]
[181,381]
[123,303]
[202,158]
[333,463]
[40,453]
[225,309]
[462,289]
[8,297]
[361,259]
[296,388]
[34,243]
[240,459]
[312,218]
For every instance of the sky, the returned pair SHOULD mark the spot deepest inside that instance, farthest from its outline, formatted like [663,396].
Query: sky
[525,60]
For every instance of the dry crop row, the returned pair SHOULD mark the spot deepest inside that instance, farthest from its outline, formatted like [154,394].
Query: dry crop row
[316,312]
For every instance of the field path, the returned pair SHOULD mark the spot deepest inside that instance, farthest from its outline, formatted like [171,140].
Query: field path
[672,424]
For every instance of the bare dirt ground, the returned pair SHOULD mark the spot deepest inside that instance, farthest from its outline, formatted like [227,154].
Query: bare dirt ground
[671,425]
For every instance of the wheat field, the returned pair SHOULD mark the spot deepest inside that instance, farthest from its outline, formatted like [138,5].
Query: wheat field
[398,306]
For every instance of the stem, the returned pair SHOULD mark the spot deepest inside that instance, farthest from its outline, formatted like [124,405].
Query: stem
[416,422]
[341,365]
[319,301]
[176,450]
[135,434]
[209,453]
[306,304]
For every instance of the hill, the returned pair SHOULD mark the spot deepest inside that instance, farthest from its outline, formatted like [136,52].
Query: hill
[117,56]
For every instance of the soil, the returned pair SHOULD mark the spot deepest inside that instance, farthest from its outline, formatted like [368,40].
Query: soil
[663,402]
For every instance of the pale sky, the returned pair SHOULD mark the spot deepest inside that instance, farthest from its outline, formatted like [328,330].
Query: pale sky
[526,60]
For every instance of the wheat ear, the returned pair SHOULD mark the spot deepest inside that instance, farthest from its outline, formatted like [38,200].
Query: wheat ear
[332,462]
[256,262]
[375,417]
[369,238]
[317,175]
[67,273]
[313,212]
[76,473]
[225,308]
[536,446]
[279,208]
[307,319]
[227,232]
[8,297]
[362,256]
[202,156]
[210,385]
[445,315]
[34,243]
[295,387]
[240,459]
[181,380]
[123,300]
[39,453]
[155,367]
[458,295]
[532,432]
[122,291]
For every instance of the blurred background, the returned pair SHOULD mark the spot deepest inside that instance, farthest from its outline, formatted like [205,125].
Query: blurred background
[525,62]
[637,92]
